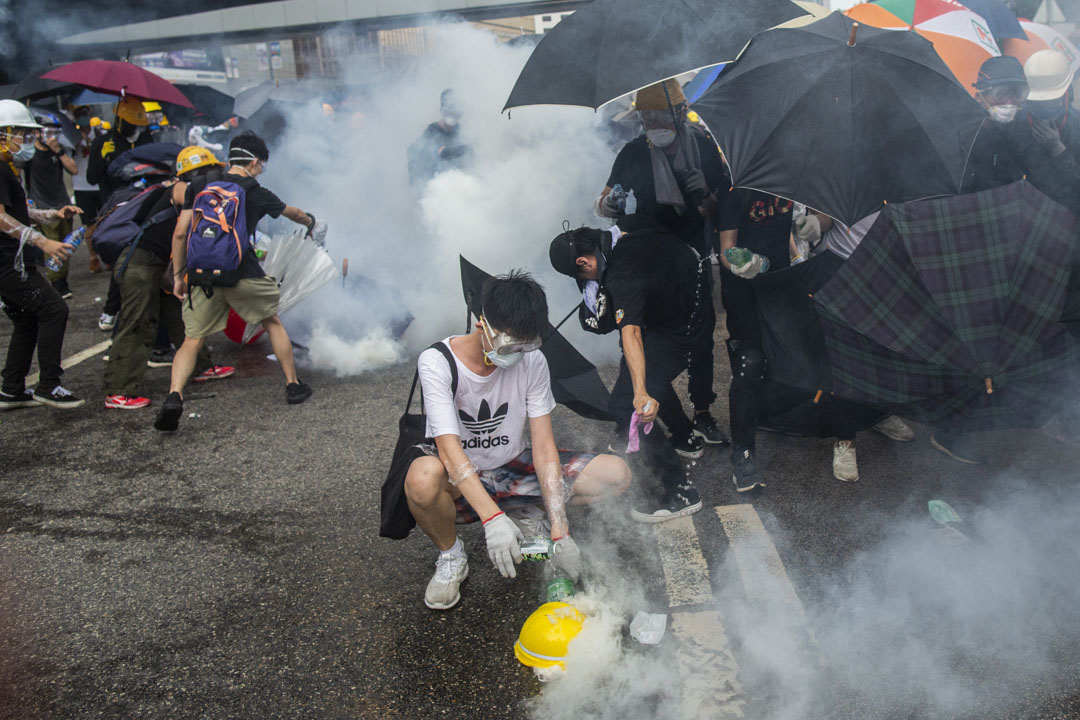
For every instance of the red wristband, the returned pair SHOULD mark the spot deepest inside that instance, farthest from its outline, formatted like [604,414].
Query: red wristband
[557,539]
[492,517]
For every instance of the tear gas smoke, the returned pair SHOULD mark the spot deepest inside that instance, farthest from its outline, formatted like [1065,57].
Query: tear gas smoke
[524,177]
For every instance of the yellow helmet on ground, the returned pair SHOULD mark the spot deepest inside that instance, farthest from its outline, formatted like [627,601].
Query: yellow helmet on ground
[193,157]
[546,635]
[131,111]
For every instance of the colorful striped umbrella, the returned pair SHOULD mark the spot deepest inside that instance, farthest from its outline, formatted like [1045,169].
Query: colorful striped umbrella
[961,37]
[1041,37]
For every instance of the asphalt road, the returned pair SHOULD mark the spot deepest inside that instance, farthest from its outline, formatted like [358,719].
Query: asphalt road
[234,570]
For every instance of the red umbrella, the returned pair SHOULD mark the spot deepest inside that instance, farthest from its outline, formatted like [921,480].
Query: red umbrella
[112,76]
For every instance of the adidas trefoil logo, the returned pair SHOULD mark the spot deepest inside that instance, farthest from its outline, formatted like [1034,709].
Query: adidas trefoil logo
[484,423]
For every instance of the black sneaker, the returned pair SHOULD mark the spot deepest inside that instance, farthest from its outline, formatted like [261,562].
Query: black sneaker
[18,400]
[61,287]
[297,392]
[705,427]
[160,359]
[59,397]
[683,500]
[745,472]
[689,445]
[958,446]
[168,417]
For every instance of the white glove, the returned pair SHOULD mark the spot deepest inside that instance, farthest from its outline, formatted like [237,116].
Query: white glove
[568,557]
[318,232]
[808,229]
[503,543]
[607,206]
[696,182]
[751,269]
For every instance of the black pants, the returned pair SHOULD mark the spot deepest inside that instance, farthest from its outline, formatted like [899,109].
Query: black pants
[113,301]
[748,366]
[89,201]
[667,354]
[39,316]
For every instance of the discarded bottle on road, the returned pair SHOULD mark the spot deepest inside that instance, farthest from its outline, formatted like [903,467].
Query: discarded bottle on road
[75,239]
[738,257]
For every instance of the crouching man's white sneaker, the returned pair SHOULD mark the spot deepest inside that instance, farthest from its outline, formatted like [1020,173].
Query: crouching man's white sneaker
[844,465]
[896,429]
[442,592]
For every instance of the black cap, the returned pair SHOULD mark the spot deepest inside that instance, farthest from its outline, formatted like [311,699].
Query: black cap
[1000,70]
[563,254]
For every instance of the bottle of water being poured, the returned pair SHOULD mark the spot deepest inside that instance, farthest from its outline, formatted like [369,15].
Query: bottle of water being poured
[75,239]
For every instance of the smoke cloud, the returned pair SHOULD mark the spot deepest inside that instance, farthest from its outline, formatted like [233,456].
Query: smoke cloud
[526,175]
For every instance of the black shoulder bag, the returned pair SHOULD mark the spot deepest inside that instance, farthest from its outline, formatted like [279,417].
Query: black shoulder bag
[397,521]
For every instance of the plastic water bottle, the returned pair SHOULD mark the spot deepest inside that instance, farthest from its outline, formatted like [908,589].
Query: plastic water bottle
[559,585]
[618,197]
[75,239]
[538,549]
[738,257]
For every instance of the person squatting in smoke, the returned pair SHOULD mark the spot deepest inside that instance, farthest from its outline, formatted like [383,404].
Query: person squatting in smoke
[38,313]
[675,170]
[649,285]
[251,293]
[477,463]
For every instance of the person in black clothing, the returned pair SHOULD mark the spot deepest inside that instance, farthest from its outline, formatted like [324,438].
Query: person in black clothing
[38,314]
[675,170]
[130,130]
[759,223]
[254,297]
[45,182]
[439,148]
[1049,137]
[648,285]
[144,302]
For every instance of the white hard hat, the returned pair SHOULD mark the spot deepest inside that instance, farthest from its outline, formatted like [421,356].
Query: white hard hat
[14,114]
[1048,74]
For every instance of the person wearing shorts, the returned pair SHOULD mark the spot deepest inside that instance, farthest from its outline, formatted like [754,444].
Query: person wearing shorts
[477,463]
[255,295]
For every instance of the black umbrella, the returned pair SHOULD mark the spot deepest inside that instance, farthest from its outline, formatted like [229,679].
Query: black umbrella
[609,48]
[842,120]
[575,382]
[215,105]
[798,397]
[34,86]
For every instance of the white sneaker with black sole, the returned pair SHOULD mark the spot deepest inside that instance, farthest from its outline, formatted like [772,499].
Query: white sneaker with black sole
[60,397]
[845,466]
[443,590]
[684,500]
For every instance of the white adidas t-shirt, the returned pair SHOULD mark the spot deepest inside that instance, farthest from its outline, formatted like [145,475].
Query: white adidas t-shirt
[488,413]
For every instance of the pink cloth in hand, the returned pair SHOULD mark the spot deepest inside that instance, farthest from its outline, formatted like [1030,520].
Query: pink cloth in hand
[634,443]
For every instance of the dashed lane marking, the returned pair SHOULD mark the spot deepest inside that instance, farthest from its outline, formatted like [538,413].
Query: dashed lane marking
[75,359]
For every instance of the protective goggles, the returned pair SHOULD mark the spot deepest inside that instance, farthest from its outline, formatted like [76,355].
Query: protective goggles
[25,136]
[1011,93]
[659,117]
[50,133]
[504,344]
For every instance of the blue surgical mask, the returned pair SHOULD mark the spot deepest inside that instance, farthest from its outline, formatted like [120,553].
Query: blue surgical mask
[25,152]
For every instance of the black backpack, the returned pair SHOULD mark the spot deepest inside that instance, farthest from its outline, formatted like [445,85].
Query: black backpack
[397,521]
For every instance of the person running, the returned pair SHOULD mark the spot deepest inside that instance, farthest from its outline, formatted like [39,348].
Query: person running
[477,464]
[143,302]
[647,284]
[254,297]
[38,314]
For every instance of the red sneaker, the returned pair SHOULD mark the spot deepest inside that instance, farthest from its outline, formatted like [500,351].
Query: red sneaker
[217,372]
[126,402]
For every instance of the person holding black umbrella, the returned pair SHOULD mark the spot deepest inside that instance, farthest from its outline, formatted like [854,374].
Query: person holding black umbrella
[675,170]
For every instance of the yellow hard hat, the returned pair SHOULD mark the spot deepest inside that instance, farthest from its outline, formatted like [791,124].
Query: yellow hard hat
[193,157]
[546,635]
[151,105]
[106,124]
[131,111]
[95,121]
[693,116]
[653,97]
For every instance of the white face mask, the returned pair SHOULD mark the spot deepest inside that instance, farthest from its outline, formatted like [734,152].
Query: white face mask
[24,153]
[449,121]
[1004,113]
[660,137]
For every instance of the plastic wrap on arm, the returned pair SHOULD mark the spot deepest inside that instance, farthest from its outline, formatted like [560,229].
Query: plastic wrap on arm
[550,476]
[39,215]
[460,472]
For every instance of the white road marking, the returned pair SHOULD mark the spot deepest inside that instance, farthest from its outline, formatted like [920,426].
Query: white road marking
[75,359]
[685,569]
[762,571]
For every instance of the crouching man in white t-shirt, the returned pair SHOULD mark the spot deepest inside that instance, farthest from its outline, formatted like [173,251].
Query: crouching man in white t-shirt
[478,463]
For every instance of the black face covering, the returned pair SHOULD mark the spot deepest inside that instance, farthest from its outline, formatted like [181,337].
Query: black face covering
[1048,110]
[127,131]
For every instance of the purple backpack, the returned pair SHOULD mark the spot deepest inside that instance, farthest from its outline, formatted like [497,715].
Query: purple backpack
[218,236]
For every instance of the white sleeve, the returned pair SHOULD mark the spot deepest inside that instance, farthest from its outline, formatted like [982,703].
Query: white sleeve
[538,398]
[435,379]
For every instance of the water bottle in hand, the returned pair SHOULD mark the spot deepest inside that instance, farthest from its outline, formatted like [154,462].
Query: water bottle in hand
[738,257]
[74,239]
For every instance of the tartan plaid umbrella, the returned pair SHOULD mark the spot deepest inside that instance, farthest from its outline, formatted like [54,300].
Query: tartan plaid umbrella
[949,311]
